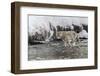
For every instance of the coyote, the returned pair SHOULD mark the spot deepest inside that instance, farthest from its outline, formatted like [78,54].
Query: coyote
[68,37]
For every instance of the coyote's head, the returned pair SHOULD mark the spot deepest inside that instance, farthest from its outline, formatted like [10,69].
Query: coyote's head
[59,34]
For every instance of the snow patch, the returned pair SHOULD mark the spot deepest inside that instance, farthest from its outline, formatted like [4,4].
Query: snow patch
[83,34]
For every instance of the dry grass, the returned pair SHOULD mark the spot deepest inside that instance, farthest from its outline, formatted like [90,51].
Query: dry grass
[56,50]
